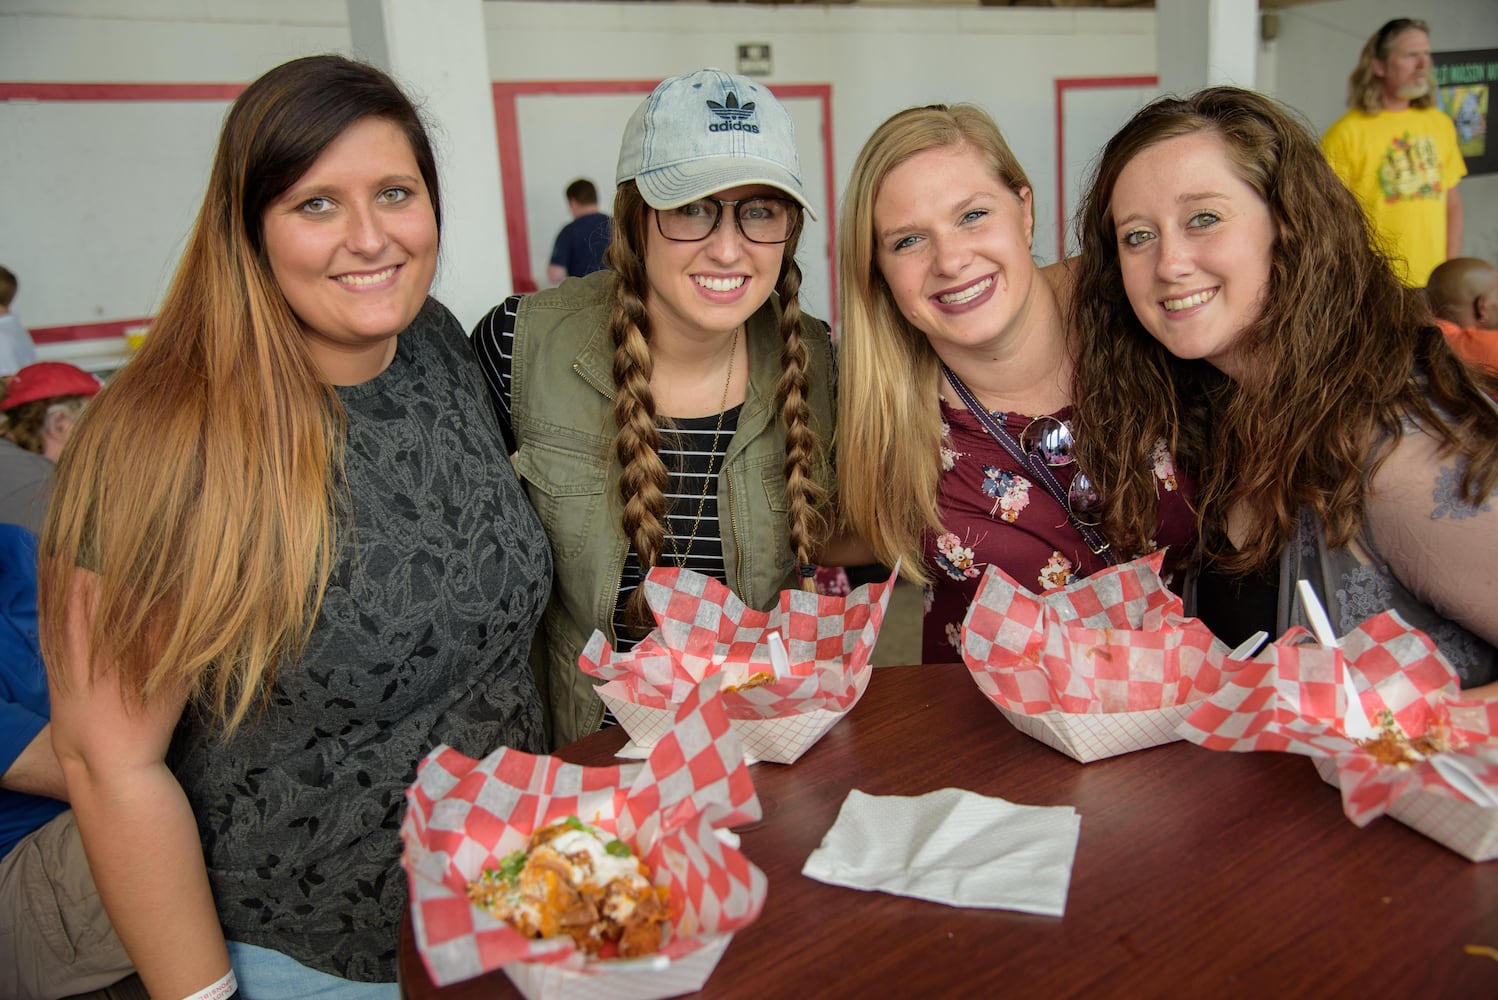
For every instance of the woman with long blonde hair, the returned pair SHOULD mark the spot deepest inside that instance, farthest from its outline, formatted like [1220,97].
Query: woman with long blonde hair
[285,558]
[955,392]
[674,409]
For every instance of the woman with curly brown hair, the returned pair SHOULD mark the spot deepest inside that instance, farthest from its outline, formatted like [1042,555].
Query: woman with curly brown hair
[1228,279]
[672,410]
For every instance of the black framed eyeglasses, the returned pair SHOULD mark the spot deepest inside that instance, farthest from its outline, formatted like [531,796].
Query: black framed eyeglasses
[1050,440]
[761,220]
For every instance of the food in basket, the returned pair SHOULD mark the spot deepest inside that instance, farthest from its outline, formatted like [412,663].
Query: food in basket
[576,879]
[1390,745]
[752,681]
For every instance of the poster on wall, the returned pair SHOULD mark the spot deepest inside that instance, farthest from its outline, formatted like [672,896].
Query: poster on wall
[1465,82]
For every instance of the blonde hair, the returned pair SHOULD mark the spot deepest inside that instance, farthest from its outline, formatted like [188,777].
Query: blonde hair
[1365,88]
[637,442]
[889,420]
[202,486]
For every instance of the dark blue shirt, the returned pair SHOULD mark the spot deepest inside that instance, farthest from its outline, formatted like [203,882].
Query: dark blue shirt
[24,705]
[581,243]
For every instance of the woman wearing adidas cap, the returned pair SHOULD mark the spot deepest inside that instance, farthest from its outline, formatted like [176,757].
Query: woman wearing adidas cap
[674,409]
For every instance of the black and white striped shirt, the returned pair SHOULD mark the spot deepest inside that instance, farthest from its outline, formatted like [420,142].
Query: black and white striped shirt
[687,449]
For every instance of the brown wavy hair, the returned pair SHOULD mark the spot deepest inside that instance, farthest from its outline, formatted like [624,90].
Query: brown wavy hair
[201,486]
[637,442]
[1340,353]
[888,415]
[1365,89]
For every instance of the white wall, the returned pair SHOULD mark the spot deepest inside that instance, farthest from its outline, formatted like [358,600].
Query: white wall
[103,194]
[877,61]
[98,196]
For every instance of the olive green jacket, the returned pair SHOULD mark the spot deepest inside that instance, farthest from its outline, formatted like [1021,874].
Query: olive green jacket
[561,404]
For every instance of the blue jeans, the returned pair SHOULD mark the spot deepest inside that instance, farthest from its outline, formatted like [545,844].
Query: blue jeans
[264,974]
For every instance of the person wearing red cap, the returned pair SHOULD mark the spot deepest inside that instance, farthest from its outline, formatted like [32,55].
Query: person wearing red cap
[37,414]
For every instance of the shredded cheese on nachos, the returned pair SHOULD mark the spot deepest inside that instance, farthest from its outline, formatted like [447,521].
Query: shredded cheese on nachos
[575,879]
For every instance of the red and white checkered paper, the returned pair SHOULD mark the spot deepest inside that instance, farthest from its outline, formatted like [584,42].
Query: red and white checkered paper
[1103,666]
[463,816]
[1290,699]
[703,629]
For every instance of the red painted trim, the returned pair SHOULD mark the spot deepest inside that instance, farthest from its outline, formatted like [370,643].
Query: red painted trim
[512,179]
[508,139]
[120,91]
[830,180]
[512,175]
[87,331]
[1063,84]
[110,92]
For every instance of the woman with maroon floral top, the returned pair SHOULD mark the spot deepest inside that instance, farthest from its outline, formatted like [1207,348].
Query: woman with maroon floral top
[955,390]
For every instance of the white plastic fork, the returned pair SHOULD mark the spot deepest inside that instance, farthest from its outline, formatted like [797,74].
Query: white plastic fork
[780,657]
[1248,647]
[1355,724]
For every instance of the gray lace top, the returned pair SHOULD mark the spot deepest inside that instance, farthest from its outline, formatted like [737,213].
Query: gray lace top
[422,639]
[1423,553]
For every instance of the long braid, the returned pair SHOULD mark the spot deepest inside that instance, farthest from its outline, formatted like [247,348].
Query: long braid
[808,498]
[644,477]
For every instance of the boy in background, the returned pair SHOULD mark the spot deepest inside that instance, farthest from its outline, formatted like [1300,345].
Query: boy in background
[16,349]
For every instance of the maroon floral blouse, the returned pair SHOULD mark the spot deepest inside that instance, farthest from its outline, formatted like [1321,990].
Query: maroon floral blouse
[994,513]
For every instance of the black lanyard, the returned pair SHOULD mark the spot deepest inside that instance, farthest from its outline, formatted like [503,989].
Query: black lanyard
[1030,463]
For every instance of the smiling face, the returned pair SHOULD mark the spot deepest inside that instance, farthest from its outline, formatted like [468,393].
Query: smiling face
[713,285]
[953,244]
[1194,246]
[1405,71]
[353,247]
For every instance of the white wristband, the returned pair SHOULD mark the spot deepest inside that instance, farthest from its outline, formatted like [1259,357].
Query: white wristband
[221,990]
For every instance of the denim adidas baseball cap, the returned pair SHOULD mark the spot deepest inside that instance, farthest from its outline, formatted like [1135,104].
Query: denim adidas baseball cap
[706,132]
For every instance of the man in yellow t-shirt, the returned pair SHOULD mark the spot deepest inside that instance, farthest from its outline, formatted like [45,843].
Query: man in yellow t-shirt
[1398,153]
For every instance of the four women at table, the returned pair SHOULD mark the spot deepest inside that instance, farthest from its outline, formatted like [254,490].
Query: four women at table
[1230,298]
[287,554]
[956,394]
[285,557]
[675,409]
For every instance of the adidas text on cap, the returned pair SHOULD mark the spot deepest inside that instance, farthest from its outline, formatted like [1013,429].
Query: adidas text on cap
[706,132]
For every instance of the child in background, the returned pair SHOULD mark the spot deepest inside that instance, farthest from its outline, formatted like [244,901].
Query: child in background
[16,349]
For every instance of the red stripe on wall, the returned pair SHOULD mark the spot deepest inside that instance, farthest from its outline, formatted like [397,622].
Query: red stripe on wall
[1063,84]
[120,91]
[87,331]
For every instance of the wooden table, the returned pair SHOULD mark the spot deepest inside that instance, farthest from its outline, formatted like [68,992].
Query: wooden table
[1197,873]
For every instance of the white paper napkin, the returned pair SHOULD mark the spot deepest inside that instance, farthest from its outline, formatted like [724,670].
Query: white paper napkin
[952,846]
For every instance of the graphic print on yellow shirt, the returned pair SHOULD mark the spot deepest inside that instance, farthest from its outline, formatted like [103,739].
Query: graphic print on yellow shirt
[1411,169]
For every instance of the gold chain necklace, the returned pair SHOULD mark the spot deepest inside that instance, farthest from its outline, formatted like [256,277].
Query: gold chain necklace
[711,477]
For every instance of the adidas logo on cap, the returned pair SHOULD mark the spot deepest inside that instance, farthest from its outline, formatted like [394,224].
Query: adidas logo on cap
[733,117]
